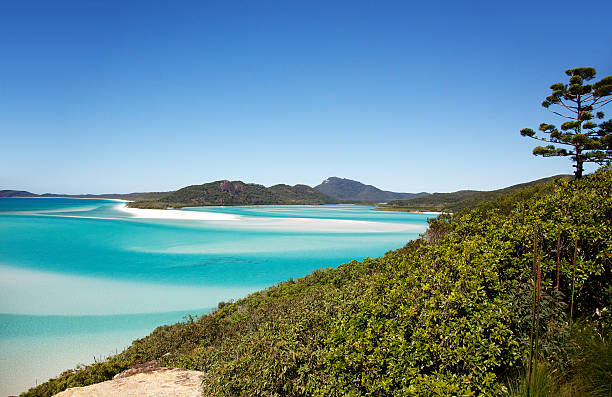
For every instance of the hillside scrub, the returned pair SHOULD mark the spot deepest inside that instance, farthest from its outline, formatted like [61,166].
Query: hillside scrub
[236,193]
[441,316]
[468,199]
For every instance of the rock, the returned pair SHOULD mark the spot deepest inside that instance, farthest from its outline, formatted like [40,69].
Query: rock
[147,367]
[144,381]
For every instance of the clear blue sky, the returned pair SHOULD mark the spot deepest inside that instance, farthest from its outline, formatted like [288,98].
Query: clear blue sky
[120,96]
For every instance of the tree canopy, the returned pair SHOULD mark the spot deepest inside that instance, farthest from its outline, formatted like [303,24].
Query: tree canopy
[578,103]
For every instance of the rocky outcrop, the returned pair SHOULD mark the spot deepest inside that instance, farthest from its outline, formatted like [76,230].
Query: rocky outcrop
[146,380]
[233,188]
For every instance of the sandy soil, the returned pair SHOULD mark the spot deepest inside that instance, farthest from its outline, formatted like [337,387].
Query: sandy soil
[151,382]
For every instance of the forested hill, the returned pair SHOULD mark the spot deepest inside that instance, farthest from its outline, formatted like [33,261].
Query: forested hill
[449,314]
[238,193]
[16,193]
[349,190]
[456,201]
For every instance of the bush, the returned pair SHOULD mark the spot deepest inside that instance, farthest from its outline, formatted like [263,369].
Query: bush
[450,317]
[544,382]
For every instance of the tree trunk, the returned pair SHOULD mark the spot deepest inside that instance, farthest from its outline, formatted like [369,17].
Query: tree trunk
[578,173]
[579,164]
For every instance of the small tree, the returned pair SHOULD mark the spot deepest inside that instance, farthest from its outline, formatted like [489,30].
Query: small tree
[576,102]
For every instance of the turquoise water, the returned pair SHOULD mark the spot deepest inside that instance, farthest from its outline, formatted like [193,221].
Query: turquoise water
[87,271]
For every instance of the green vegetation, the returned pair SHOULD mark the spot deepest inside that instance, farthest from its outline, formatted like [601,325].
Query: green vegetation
[405,209]
[153,204]
[179,338]
[464,199]
[575,103]
[129,196]
[237,193]
[587,370]
[448,314]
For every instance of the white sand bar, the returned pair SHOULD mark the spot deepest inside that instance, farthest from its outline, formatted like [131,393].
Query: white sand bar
[330,225]
[277,224]
[176,214]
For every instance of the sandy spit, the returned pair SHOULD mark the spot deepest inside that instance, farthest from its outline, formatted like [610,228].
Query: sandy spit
[175,214]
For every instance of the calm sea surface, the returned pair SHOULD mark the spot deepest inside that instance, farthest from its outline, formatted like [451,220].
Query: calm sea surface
[81,278]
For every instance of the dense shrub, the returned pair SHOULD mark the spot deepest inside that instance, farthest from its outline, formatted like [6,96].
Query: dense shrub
[439,318]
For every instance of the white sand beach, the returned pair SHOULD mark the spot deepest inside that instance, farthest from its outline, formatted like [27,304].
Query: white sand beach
[331,225]
[288,224]
[175,214]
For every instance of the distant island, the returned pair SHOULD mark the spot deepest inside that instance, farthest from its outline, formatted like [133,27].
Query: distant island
[332,190]
[462,199]
[118,196]
[17,193]
[237,193]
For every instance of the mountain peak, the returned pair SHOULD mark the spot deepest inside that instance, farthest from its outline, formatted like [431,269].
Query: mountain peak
[350,190]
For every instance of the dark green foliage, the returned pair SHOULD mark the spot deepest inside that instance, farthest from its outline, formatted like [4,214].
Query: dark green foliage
[438,228]
[467,199]
[439,318]
[576,101]
[553,328]
[132,196]
[237,193]
[152,204]
[447,321]
[274,341]
[80,376]
[425,331]
[544,383]
[591,362]
[586,370]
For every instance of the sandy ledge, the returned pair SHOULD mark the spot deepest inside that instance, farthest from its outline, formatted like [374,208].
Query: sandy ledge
[159,382]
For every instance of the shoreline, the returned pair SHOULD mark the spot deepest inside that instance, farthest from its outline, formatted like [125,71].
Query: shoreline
[175,214]
[72,297]
[71,197]
[297,223]
[392,209]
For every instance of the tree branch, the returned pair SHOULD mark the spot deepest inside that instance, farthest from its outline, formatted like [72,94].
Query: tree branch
[555,141]
[602,104]
[560,114]
[571,108]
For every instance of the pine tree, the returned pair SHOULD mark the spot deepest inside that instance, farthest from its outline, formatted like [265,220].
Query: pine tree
[576,102]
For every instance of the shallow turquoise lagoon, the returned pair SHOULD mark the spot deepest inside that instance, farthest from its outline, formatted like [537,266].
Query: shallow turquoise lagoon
[88,271]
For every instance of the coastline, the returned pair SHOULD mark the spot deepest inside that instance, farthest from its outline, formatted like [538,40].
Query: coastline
[71,197]
[86,295]
[175,214]
[410,211]
[285,224]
